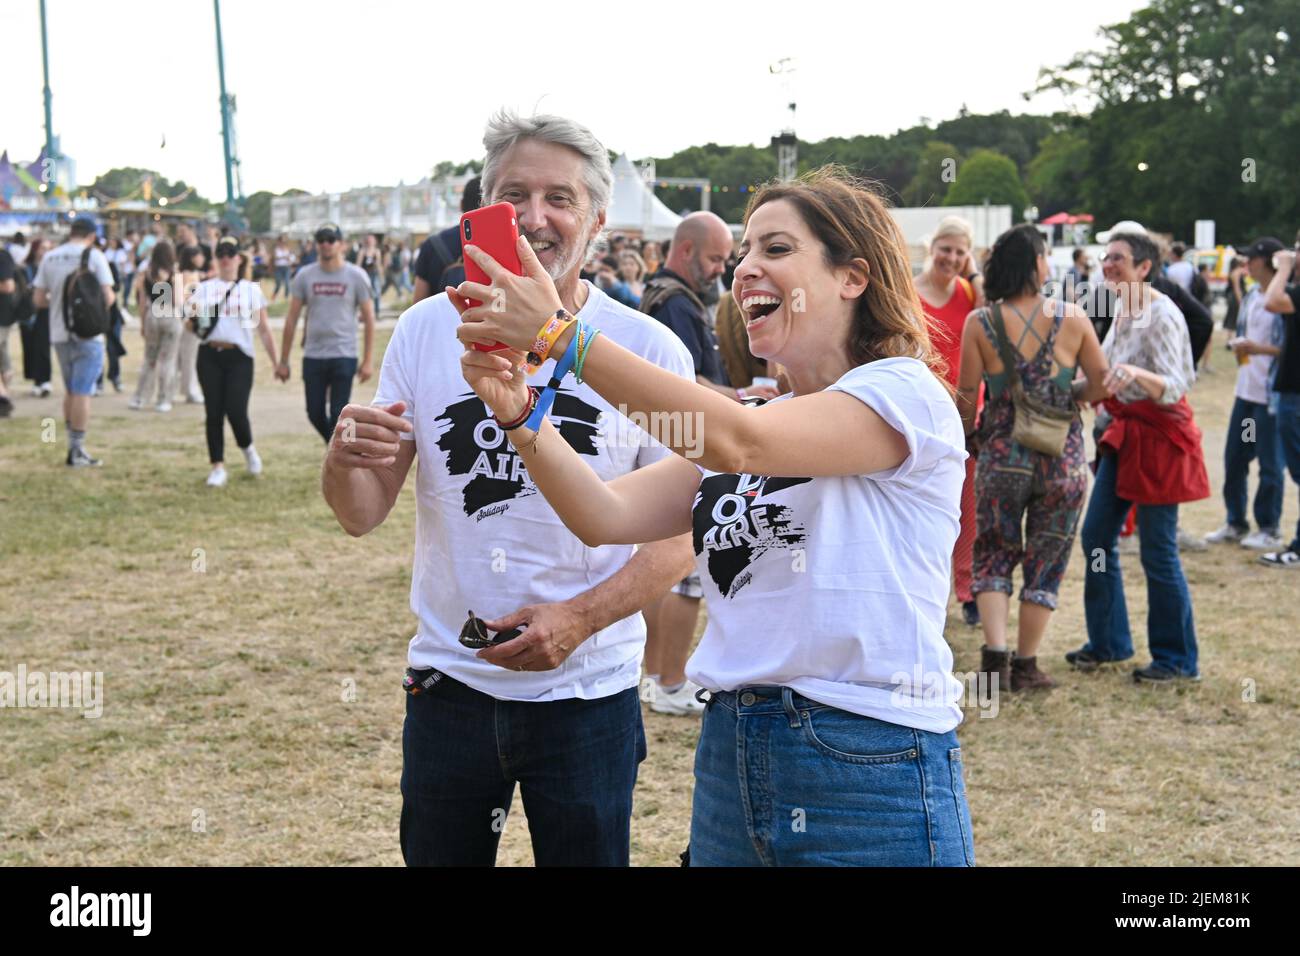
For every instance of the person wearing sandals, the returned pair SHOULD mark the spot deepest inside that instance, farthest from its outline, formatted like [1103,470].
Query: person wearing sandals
[1049,342]
[1149,454]
[823,525]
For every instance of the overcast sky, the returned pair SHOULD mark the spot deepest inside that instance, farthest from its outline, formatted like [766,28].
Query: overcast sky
[334,94]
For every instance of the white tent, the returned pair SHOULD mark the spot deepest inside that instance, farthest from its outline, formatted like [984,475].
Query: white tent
[634,206]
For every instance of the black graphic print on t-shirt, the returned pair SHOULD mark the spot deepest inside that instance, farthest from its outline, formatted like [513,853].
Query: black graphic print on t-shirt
[735,525]
[476,446]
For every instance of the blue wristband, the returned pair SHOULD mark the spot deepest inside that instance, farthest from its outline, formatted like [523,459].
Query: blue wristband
[562,367]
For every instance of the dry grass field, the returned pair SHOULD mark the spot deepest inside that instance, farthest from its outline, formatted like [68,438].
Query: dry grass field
[228,624]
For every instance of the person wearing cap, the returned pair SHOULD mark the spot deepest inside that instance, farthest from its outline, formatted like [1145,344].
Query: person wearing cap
[80,360]
[224,310]
[1252,429]
[335,293]
[1282,296]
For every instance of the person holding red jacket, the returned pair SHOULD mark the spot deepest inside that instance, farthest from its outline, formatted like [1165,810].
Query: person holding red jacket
[1149,454]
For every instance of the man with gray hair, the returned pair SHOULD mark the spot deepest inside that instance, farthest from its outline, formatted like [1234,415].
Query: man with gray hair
[554,709]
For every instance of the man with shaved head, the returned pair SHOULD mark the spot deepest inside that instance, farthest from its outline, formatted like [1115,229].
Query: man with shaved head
[674,295]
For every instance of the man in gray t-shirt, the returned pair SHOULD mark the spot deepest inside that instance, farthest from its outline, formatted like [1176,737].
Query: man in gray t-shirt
[80,360]
[335,292]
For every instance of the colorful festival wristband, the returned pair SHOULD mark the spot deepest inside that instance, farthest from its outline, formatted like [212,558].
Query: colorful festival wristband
[547,336]
[562,367]
[583,349]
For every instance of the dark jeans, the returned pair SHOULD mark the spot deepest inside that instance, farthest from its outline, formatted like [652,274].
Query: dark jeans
[1171,631]
[1288,436]
[575,762]
[37,368]
[113,347]
[324,378]
[226,377]
[1239,452]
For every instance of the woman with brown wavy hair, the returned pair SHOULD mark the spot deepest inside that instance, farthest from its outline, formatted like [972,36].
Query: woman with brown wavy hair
[823,524]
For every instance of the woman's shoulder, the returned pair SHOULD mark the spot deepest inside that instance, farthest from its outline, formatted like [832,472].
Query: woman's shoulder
[902,372]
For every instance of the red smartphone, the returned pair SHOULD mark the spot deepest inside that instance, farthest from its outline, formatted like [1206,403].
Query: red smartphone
[495,230]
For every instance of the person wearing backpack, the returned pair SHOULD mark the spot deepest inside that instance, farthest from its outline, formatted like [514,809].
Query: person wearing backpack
[75,282]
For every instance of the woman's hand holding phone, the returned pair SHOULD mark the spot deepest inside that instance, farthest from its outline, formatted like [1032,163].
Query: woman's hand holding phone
[514,307]
[497,379]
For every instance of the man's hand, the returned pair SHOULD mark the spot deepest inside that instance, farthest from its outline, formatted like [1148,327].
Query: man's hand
[282,372]
[551,633]
[364,372]
[367,436]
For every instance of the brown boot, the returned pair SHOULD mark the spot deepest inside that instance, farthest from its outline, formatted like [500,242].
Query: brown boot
[995,667]
[1025,675]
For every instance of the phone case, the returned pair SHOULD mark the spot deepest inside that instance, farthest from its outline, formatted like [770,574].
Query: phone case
[495,230]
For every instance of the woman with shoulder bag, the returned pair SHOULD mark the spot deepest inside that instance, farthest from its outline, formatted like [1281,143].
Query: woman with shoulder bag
[1031,467]
[224,311]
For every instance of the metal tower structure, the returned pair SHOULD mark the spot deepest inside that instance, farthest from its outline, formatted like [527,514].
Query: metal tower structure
[50,174]
[234,188]
[786,143]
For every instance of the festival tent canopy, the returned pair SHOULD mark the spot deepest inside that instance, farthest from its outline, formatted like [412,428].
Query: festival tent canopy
[635,208]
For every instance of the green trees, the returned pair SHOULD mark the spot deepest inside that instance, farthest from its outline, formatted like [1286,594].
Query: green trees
[1205,94]
[988,176]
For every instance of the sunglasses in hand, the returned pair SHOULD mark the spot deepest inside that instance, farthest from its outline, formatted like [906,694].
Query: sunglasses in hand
[475,633]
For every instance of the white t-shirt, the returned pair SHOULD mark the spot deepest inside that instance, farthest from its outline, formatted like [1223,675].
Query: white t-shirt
[238,309]
[838,587]
[1252,378]
[1181,272]
[486,540]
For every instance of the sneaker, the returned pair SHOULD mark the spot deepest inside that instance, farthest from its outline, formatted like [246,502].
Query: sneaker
[1155,674]
[970,613]
[1189,542]
[1263,541]
[1226,535]
[41,391]
[1281,559]
[135,403]
[681,702]
[1082,660]
[217,479]
[117,385]
[253,460]
[194,398]
[81,459]
[163,406]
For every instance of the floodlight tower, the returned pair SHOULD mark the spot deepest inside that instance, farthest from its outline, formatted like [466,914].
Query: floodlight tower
[234,188]
[786,143]
[49,175]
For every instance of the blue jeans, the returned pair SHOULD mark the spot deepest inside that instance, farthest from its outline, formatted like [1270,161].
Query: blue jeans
[781,780]
[1171,632]
[282,278]
[1237,456]
[575,762]
[327,379]
[1288,437]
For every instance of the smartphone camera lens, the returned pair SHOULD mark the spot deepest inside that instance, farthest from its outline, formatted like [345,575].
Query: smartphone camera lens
[467,232]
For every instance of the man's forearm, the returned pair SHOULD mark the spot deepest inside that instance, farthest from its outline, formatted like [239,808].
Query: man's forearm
[355,496]
[654,569]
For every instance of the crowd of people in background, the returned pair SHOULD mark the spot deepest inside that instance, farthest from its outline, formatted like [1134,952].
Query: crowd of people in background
[964,382]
